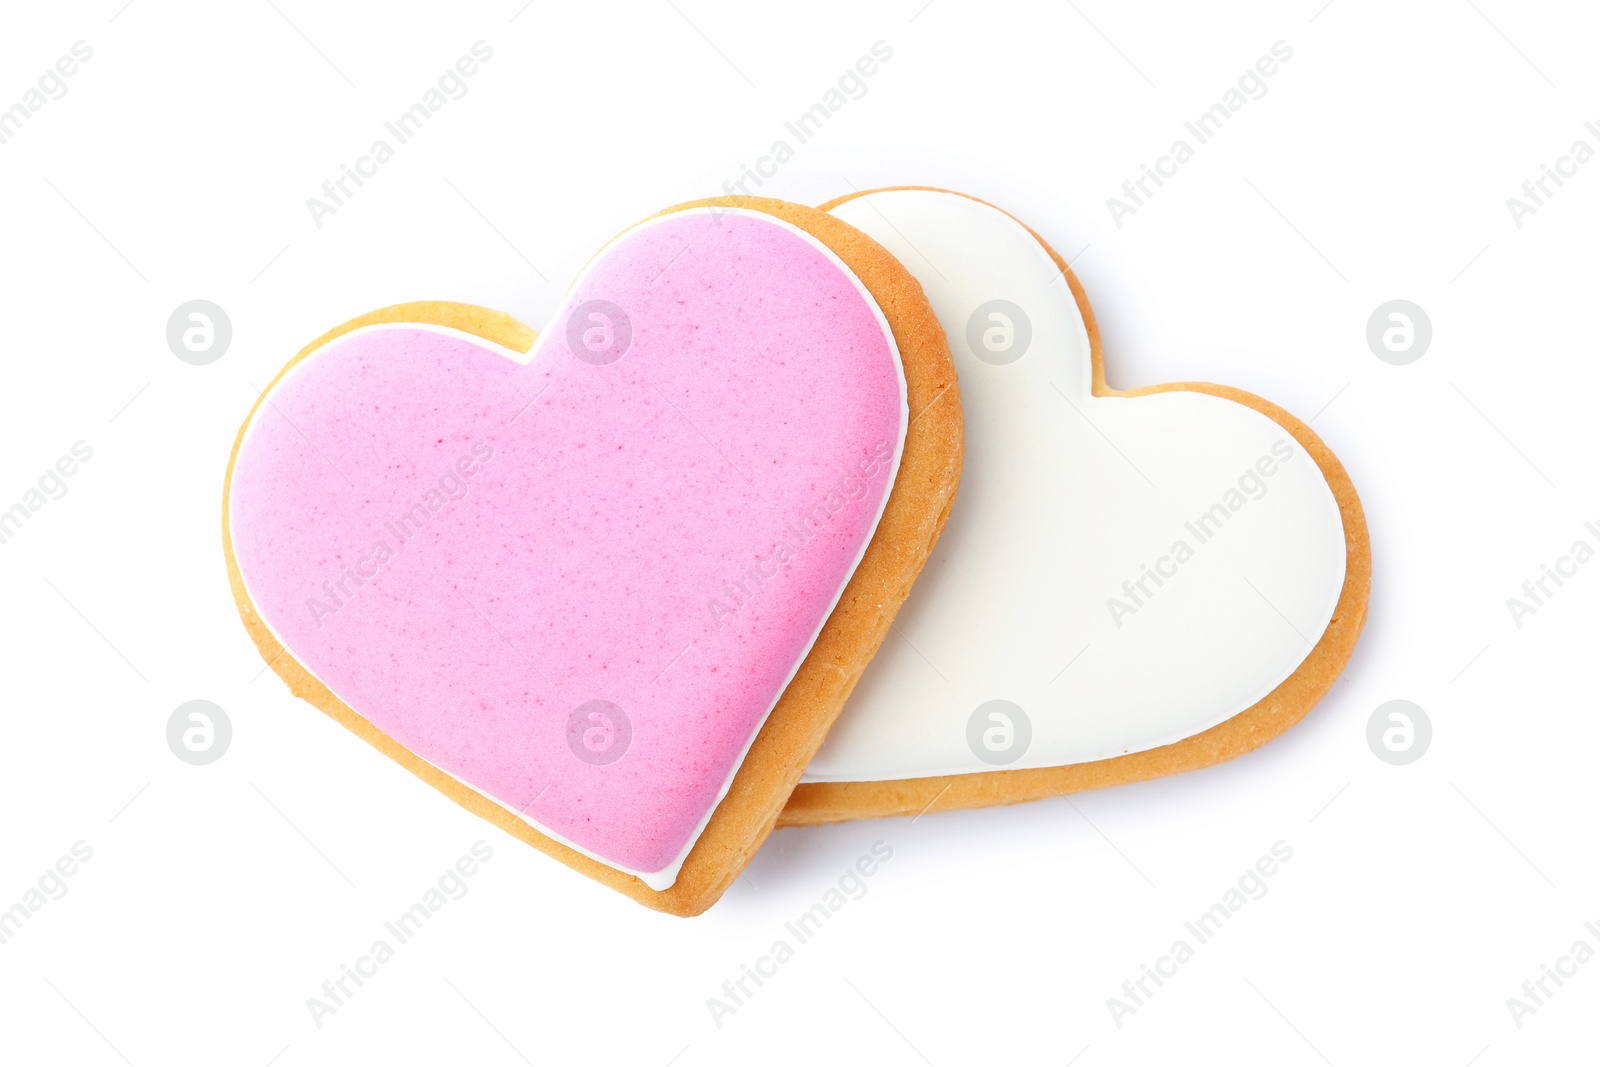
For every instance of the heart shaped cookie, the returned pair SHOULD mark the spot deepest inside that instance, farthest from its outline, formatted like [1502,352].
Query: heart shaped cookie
[1132,584]
[608,588]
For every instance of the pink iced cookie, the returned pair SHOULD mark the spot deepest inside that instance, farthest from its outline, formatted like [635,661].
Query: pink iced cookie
[578,580]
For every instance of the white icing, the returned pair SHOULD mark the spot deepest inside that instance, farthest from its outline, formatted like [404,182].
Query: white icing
[1065,496]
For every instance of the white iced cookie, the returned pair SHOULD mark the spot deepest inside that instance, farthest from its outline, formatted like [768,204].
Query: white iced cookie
[1178,572]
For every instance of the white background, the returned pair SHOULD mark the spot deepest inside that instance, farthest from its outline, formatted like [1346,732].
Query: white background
[220,898]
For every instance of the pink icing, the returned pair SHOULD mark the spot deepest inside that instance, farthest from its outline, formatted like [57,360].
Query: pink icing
[586,514]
